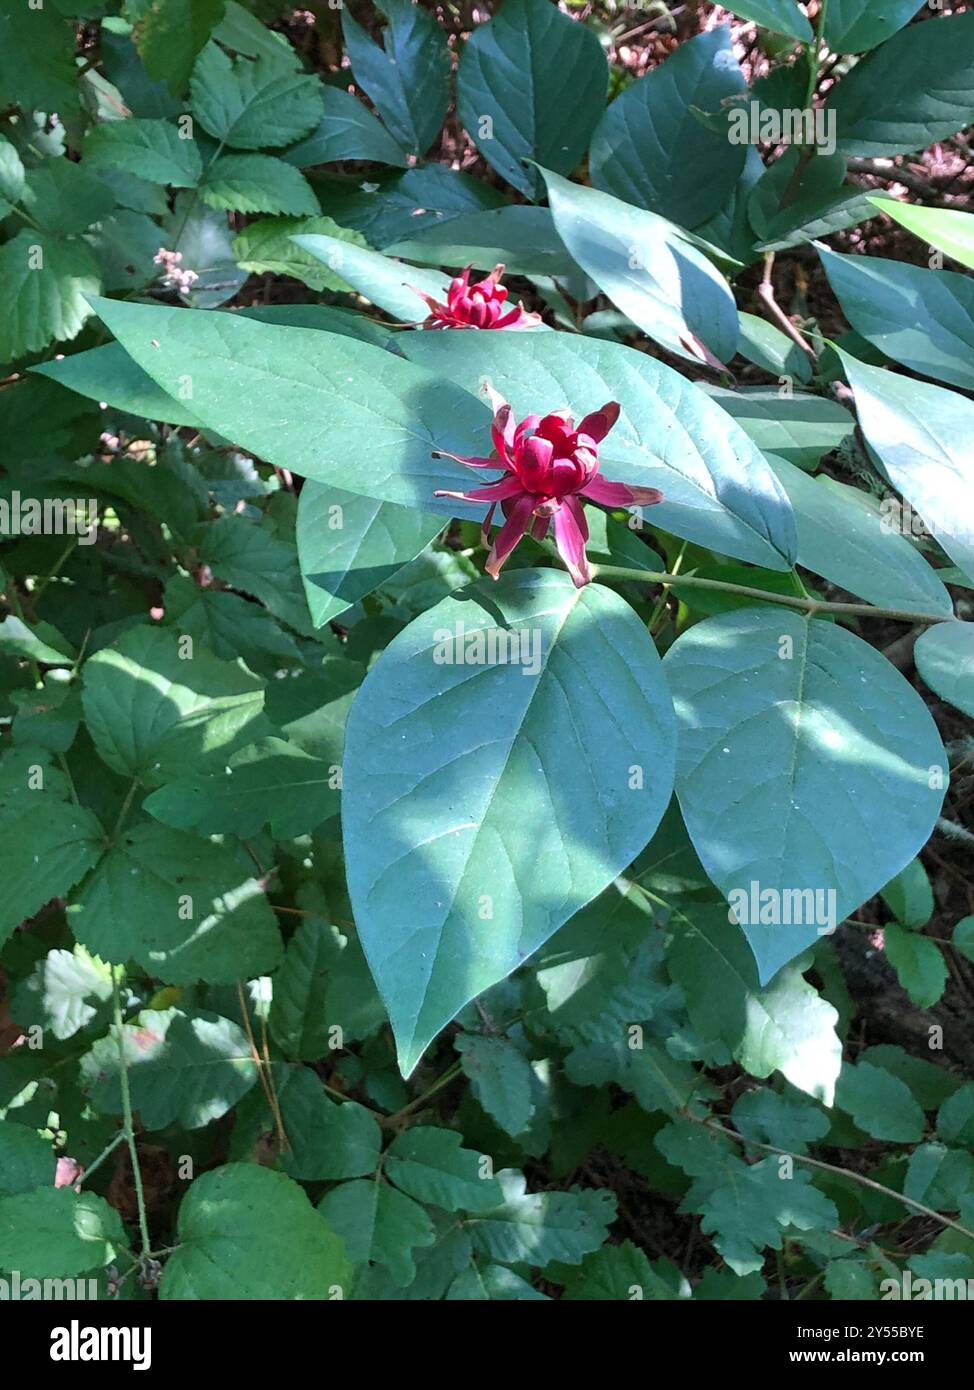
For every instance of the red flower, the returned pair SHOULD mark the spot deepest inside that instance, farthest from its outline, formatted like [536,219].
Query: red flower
[550,468]
[477,306]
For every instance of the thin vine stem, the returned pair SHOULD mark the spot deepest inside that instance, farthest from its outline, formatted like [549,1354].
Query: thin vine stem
[128,1122]
[805,605]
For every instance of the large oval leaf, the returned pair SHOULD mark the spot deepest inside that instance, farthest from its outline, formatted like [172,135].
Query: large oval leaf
[945,660]
[648,269]
[720,491]
[652,147]
[922,435]
[307,401]
[487,800]
[531,83]
[807,765]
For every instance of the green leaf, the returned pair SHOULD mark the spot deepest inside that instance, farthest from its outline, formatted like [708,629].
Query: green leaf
[251,557]
[26,1160]
[754,1211]
[45,283]
[326,1141]
[268,783]
[254,104]
[522,238]
[425,820]
[806,774]
[880,1103]
[348,545]
[169,33]
[347,130]
[37,67]
[57,1233]
[919,964]
[918,431]
[539,1228]
[430,1165]
[394,205]
[853,26]
[62,196]
[652,148]
[43,643]
[378,1225]
[500,1079]
[944,656]
[323,993]
[67,990]
[109,374]
[780,16]
[915,89]
[183,1068]
[159,706]
[955,1119]
[784,1026]
[909,896]
[622,1272]
[784,216]
[47,844]
[531,84]
[771,350]
[797,427]
[184,908]
[257,183]
[202,237]
[268,246]
[246,1232]
[306,399]
[846,538]
[642,262]
[408,78]
[922,318]
[11,174]
[152,149]
[718,490]
[939,1177]
[946,229]
[388,283]
[769,1117]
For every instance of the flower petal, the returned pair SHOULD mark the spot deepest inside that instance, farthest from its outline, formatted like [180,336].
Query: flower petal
[510,533]
[494,492]
[606,494]
[474,462]
[571,531]
[598,424]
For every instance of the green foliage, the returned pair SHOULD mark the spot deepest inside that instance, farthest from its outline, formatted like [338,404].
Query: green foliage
[374,930]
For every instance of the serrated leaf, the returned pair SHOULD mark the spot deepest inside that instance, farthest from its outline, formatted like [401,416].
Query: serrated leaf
[253,104]
[538,1228]
[919,964]
[57,1233]
[829,750]
[155,713]
[257,183]
[169,33]
[326,1141]
[184,908]
[880,1103]
[430,1165]
[68,988]
[378,1225]
[269,246]
[183,1068]
[623,1272]
[45,282]
[245,1232]
[500,1078]
[784,1026]
[269,783]
[405,794]
[540,78]
[909,896]
[152,149]
[26,1160]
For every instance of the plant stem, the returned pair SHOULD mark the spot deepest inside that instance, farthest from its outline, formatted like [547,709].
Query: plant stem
[109,1148]
[806,605]
[126,805]
[128,1123]
[437,1085]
